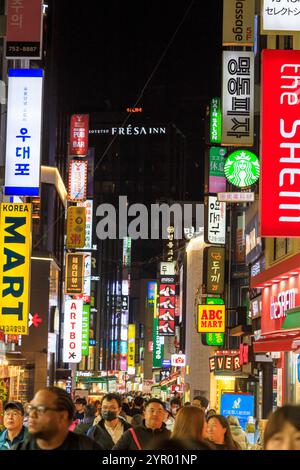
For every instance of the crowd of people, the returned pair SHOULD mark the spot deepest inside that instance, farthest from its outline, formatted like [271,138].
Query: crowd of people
[52,421]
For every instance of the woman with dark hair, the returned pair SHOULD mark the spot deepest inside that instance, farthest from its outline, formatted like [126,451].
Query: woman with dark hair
[219,433]
[283,429]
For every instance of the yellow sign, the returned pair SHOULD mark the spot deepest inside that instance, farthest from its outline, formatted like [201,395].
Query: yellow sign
[15,246]
[131,346]
[211,318]
[76,221]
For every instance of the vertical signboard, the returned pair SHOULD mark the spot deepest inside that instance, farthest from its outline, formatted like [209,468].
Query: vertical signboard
[166,310]
[24,29]
[237,98]
[216,179]
[126,252]
[76,220]
[77,184]
[15,246]
[131,346]
[280,134]
[23,139]
[86,295]
[215,121]
[85,330]
[74,274]
[158,341]
[214,269]
[73,331]
[79,135]
[238,22]
[88,204]
[215,228]
[281,16]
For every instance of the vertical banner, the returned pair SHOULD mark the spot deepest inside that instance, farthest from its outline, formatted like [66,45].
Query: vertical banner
[15,247]
[237,98]
[215,121]
[238,22]
[23,139]
[88,204]
[85,330]
[24,29]
[215,227]
[79,135]
[77,184]
[73,331]
[216,177]
[214,269]
[280,149]
[76,220]
[131,346]
[74,273]
[280,17]
[86,295]
[158,341]
[166,310]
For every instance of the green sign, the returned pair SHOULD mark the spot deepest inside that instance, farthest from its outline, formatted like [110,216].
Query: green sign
[215,121]
[86,329]
[214,339]
[242,168]
[158,347]
[216,161]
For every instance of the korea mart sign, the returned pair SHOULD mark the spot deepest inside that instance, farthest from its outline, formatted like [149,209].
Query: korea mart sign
[211,318]
[15,247]
[280,134]
[242,168]
[238,22]
[238,98]
[73,331]
[76,220]
[23,138]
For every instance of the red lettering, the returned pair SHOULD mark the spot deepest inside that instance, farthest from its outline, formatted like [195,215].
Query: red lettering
[204,315]
[219,314]
[211,314]
[73,316]
[72,335]
[72,345]
[73,306]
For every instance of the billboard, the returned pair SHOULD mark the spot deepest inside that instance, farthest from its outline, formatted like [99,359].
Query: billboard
[76,220]
[23,138]
[74,274]
[216,179]
[131,346]
[166,310]
[280,162]
[77,184]
[73,331]
[238,22]
[24,29]
[15,248]
[79,135]
[238,98]
[240,405]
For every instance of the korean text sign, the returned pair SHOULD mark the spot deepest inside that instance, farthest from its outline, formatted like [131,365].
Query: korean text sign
[240,405]
[280,144]
[72,349]
[238,98]
[88,204]
[214,269]
[15,246]
[74,273]
[131,345]
[85,330]
[211,318]
[216,221]
[77,185]
[23,141]
[76,220]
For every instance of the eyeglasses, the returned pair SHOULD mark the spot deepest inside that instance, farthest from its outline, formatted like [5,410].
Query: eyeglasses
[40,409]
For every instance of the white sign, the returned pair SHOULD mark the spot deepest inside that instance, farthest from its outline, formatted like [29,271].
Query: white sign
[72,331]
[178,360]
[281,15]
[88,204]
[77,180]
[167,268]
[238,98]
[216,223]
[23,139]
[236,197]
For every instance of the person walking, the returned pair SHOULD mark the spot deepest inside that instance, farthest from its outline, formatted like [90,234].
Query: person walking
[174,407]
[111,427]
[50,414]
[150,432]
[15,431]
[282,431]
[200,401]
[219,434]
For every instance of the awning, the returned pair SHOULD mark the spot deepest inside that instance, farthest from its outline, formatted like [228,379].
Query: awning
[292,319]
[272,345]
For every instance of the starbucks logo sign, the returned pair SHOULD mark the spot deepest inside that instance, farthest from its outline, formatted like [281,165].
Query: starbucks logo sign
[242,168]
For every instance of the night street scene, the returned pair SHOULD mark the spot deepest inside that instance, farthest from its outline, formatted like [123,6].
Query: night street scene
[149,230]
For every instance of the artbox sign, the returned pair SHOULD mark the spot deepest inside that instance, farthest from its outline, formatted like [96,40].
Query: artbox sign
[23,139]
[216,221]
[280,148]
[77,180]
[24,29]
[237,98]
[211,318]
[282,15]
[238,22]
[242,168]
[72,348]
[79,135]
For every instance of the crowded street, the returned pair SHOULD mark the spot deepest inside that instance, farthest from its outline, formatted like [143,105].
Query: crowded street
[149,237]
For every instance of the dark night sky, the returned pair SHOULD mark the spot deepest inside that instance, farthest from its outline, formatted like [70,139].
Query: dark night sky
[108,49]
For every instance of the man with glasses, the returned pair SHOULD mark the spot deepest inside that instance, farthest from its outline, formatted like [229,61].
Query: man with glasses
[112,426]
[148,435]
[15,431]
[50,413]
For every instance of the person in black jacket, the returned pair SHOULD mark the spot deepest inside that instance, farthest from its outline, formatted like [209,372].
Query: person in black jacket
[50,413]
[152,431]
[111,427]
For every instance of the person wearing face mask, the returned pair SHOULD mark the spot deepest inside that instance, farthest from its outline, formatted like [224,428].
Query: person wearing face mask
[174,407]
[112,426]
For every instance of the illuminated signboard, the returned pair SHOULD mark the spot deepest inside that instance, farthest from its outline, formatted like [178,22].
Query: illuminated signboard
[280,16]
[86,330]
[72,346]
[211,318]
[224,363]
[242,168]
[215,228]
[280,162]
[166,311]
[74,274]
[88,204]
[215,121]
[126,252]
[238,98]
[23,137]
[236,197]
[76,220]
[216,180]
[15,247]
[77,188]
[214,269]
[131,346]
[178,360]
[238,22]
[79,134]
[213,339]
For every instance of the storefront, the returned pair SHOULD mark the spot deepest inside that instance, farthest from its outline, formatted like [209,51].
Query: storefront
[279,338]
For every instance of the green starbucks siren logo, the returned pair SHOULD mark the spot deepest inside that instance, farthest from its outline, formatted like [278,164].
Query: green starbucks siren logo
[242,168]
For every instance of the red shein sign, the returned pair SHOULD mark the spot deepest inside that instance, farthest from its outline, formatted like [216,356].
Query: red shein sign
[280,144]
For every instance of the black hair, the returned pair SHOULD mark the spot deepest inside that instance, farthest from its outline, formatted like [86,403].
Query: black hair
[80,401]
[139,401]
[175,401]
[203,400]
[63,400]
[155,400]
[112,396]
[89,411]
[277,420]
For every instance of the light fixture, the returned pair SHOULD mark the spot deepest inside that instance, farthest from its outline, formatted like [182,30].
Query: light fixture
[284,277]
[267,285]
[294,273]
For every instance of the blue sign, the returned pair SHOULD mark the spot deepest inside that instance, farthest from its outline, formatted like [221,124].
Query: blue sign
[240,405]
[166,363]
[298,366]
